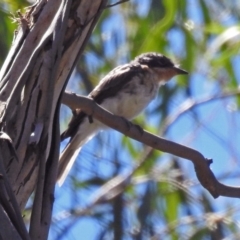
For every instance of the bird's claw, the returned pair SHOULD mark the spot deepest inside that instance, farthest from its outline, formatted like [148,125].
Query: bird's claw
[140,129]
[130,124]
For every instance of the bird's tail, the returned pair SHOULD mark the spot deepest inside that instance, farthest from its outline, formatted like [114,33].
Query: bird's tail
[71,151]
[66,160]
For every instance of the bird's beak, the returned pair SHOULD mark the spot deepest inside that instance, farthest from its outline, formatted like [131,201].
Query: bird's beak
[180,71]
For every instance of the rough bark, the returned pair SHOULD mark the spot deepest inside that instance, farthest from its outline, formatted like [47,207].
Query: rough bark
[51,37]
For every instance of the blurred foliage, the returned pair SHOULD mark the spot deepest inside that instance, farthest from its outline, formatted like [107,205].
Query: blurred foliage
[162,199]
[8,10]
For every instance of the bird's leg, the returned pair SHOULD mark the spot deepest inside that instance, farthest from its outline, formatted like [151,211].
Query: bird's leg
[90,118]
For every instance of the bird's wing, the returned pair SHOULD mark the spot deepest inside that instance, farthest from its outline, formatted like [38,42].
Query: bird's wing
[114,81]
[108,87]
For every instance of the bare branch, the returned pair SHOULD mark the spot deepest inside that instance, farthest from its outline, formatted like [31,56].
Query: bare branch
[201,164]
[191,103]
[7,198]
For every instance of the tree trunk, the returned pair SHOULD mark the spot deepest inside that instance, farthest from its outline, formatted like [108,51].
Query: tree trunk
[51,37]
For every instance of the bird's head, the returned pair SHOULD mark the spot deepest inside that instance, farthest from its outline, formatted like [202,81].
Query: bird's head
[159,63]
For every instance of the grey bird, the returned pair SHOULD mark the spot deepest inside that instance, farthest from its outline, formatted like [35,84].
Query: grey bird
[125,91]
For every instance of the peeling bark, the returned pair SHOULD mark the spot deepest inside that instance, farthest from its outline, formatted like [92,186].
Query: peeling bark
[51,37]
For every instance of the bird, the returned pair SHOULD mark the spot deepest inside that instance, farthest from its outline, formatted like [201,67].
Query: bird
[125,91]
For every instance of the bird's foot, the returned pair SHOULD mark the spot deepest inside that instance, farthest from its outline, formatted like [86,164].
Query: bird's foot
[130,124]
[140,129]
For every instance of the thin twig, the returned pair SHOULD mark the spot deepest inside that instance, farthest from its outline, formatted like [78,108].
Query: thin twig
[117,3]
[191,103]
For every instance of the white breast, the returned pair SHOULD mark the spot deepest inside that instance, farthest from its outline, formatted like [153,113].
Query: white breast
[133,98]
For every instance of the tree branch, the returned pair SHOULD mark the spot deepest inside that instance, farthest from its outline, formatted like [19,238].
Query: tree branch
[7,197]
[184,108]
[201,164]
